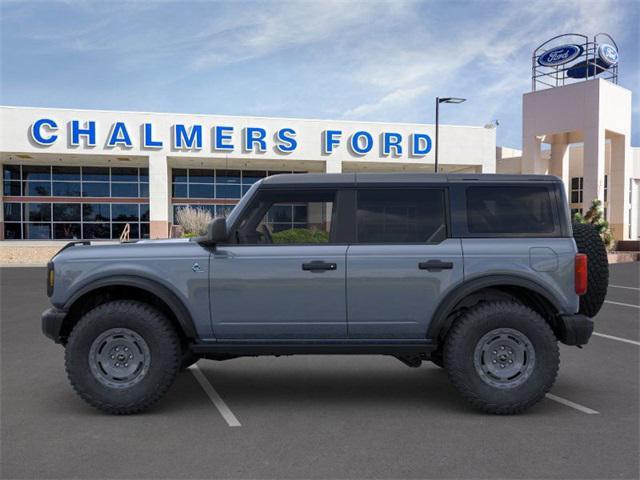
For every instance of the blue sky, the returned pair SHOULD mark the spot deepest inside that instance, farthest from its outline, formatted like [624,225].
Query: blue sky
[369,60]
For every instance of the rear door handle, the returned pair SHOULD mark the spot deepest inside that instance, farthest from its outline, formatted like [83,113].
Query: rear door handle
[435,265]
[319,266]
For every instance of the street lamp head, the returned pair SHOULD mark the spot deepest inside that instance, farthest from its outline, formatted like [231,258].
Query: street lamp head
[451,100]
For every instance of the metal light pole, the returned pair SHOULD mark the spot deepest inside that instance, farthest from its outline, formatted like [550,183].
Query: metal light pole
[438,102]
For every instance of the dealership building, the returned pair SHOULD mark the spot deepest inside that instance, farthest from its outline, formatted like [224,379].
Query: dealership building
[87,174]
[90,174]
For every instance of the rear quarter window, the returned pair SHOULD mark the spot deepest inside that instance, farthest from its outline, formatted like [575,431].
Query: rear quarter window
[511,210]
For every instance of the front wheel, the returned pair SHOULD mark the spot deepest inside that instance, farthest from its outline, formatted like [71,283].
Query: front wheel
[122,356]
[502,356]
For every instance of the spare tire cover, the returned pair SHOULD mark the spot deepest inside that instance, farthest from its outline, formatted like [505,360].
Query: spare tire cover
[589,242]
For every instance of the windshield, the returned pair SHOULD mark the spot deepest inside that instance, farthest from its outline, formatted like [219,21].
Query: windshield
[233,216]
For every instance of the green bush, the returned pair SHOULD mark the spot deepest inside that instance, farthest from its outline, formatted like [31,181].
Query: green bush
[301,235]
[595,217]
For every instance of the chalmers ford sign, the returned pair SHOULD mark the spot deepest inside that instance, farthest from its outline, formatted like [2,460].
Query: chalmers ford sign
[45,132]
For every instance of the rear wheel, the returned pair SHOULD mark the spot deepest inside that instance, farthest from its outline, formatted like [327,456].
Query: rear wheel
[122,356]
[502,357]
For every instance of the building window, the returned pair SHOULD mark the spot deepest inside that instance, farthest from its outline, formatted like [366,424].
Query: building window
[63,212]
[203,187]
[606,187]
[576,189]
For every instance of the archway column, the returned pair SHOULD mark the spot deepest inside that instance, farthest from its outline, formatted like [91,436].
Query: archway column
[159,198]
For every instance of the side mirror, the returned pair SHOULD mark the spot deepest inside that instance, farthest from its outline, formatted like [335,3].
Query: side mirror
[217,230]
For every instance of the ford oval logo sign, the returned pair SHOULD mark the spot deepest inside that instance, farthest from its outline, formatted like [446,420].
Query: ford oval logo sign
[560,55]
[608,54]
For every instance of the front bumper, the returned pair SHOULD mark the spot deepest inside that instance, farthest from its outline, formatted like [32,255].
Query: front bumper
[52,319]
[574,329]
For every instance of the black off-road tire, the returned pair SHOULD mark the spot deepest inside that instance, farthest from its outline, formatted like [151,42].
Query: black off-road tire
[589,242]
[468,332]
[161,344]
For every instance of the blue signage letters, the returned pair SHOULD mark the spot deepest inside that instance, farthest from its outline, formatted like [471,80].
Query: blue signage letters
[255,136]
[357,146]
[286,140]
[222,135]
[391,140]
[183,139]
[147,138]
[420,144]
[36,131]
[44,132]
[330,139]
[119,136]
[89,132]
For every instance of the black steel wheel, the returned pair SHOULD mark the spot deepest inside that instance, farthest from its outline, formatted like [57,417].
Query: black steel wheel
[122,356]
[502,356]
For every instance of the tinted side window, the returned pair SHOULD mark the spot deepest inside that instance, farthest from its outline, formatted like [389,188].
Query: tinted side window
[289,218]
[401,216]
[510,210]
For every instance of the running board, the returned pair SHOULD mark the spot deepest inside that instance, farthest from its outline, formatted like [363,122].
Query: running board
[252,348]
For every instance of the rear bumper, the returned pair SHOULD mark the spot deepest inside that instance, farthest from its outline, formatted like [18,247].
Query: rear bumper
[52,319]
[574,329]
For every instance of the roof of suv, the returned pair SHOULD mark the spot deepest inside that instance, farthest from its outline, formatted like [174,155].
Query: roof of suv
[344,179]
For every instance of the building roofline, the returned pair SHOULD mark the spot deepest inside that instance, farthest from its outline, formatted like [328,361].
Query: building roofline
[16,107]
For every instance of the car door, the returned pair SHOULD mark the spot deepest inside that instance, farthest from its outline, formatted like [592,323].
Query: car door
[285,277]
[401,263]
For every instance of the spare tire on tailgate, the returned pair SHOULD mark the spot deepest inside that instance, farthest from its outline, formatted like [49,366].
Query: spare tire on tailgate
[589,242]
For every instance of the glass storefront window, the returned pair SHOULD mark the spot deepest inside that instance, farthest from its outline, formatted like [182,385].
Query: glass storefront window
[66,212]
[97,230]
[228,191]
[36,172]
[66,189]
[197,190]
[95,174]
[37,231]
[11,172]
[37,212]
[67,230]
[66,173]
[95,189]
[96,212]
[12,212]
[124,212]
[124,189]
[12,189]
[37,189]
[119,174]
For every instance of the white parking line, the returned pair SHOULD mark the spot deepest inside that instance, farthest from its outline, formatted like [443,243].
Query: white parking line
[622,286]
[619,339]
[571,404]
[622,304]
[222,407]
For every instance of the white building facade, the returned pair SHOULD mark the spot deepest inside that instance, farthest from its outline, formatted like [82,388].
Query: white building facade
[87,174]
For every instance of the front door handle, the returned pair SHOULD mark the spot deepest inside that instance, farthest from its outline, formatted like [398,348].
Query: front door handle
[435,265]
[319,266]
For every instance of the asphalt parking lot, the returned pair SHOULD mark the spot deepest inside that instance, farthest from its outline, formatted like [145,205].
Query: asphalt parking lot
[320,417]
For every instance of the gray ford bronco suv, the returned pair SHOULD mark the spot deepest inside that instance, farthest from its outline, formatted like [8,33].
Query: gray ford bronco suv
[481,274]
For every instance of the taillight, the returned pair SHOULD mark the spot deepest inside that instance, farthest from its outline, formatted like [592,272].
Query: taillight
[581,273]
